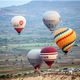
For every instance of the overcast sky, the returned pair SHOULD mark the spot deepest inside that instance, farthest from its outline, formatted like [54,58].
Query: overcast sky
[6,3]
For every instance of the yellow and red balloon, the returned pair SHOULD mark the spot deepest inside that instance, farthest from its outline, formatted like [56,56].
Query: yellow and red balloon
[65,38]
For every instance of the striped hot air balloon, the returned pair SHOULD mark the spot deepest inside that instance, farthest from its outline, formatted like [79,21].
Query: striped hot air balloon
[65,38]
[49,55]
[18,22]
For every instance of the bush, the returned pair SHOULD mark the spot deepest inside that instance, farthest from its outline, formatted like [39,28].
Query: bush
[2,76]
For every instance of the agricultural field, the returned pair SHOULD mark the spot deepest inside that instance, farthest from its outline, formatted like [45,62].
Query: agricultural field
[15,58]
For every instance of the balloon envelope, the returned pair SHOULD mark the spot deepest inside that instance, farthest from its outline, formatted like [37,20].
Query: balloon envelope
[34,58]
[18,22]
[65,38]
[51,19]
[49,54]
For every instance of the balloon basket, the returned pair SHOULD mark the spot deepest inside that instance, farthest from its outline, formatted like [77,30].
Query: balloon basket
[37,71]
[18,33]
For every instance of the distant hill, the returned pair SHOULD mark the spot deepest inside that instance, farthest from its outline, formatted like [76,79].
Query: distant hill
[33,11]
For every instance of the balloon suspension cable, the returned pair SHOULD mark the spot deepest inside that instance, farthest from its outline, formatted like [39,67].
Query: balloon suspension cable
[65,53]
[51,31]
[49,67]
[18,33]
[37,71]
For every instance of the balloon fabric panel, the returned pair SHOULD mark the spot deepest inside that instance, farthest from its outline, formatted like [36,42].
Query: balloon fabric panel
[65,38]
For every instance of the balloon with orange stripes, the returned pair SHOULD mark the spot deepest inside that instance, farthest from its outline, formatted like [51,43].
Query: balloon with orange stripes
[65,38]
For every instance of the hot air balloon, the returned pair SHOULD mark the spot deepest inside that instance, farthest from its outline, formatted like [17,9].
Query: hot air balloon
[65,38]
[51,19]
[34,58]
[18,22]
[49,55]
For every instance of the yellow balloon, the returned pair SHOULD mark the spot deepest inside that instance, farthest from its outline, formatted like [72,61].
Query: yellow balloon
[65,38]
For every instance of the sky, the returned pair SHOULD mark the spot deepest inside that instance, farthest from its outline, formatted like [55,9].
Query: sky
[6,3]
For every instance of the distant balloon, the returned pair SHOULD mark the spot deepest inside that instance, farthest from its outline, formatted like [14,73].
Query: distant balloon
[65,38]
[34,58]
[18,22]
[51,19]
[49,55]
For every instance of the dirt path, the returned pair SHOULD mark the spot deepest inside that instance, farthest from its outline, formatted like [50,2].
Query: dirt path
[48,77]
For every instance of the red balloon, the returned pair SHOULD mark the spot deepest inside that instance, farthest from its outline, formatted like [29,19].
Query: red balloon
[49,54]
[48,49]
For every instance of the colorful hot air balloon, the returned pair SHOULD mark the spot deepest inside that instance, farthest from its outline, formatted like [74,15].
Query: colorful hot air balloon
[34,58]
[18,22]
[65,38]
[51,19]
[49,55]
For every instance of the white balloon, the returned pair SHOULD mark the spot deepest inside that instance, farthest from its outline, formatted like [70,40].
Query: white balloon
[18,22]
[15,20]
[51,19]
[34,57]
